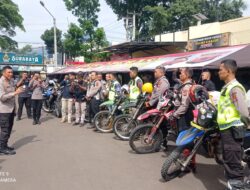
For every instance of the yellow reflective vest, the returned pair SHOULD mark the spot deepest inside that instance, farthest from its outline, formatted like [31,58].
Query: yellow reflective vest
[134,91]
[228,116]
[112,91]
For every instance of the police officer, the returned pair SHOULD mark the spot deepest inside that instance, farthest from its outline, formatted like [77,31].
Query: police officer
[206,80]
[7,109]
[160,86]
[25,97]
[115,87]
[183,111]
[93,95]
[232,110]
[135,84]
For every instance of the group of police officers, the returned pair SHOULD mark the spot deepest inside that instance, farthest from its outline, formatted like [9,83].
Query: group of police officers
[89,90]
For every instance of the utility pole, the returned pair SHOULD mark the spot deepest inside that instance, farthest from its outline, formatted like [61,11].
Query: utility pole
[134,27]
[55,38]
[130,26]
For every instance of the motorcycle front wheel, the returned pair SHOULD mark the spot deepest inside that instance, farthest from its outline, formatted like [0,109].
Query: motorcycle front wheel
[141,142]
[103,121]
[58,110]
[172,167]
[123,126]
[46,107]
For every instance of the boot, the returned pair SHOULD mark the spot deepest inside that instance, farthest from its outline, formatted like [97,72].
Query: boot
[6,151]
[69,120]
[235,184]
[63,119]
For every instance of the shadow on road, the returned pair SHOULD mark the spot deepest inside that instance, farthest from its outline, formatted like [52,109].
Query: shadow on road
[26,140]
[47,118]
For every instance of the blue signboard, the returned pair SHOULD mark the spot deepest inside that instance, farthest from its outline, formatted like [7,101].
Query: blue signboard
[12,58]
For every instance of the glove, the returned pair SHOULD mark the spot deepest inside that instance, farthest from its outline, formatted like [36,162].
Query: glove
[172,117]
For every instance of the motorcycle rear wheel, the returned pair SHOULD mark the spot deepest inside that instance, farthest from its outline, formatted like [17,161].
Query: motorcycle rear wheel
[122,129]
[139,141]
[103,121]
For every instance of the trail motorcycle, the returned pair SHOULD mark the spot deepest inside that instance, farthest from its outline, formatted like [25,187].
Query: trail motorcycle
[104,119]
[147,138]
[204,130]
[125,123]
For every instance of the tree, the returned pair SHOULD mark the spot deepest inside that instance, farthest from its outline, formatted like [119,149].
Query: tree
[48,38]
[10,19]
[174,14]
[84,10]
[222,10]
[24,50]
[159,21]
[73,44]
[100,39]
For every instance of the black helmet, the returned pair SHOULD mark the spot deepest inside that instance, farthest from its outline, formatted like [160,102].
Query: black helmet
[197,94]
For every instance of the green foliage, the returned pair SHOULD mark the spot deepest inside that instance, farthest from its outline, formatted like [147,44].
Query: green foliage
[48,38]
[158,16]
[160,19]
[24,50]
[100,38]
[10,19]
[86,39]
[84,10]
[73,44]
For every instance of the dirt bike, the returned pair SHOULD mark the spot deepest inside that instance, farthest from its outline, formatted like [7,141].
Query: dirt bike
[104,120]
[147,138]
[125,123]
[203,128]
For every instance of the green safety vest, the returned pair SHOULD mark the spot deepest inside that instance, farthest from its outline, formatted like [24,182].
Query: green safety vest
[134,91]
[112,91]
[228,116]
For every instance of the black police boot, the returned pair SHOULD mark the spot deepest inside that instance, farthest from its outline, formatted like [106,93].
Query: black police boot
[9,147]
[6,151]
[234,184]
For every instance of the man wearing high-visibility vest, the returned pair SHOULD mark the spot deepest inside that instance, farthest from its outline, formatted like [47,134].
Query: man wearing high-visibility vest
[135,84]
[115,87]
[232,111]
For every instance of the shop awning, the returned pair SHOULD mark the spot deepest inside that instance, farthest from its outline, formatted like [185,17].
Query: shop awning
[209,58]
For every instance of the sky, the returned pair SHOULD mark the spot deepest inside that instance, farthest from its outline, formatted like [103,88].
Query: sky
[37,20]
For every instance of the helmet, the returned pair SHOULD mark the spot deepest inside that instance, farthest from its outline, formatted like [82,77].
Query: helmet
[125,89]
[197,94]
[206,115]
[147,87]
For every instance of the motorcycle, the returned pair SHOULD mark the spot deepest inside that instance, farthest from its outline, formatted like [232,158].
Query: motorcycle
[104,119]
[125,123]
[147,138]
[52,99]
[204,128]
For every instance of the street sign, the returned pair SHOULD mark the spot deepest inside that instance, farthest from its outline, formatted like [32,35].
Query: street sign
[12,58]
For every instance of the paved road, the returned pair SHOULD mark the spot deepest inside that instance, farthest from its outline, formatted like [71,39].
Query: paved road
[56,156]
